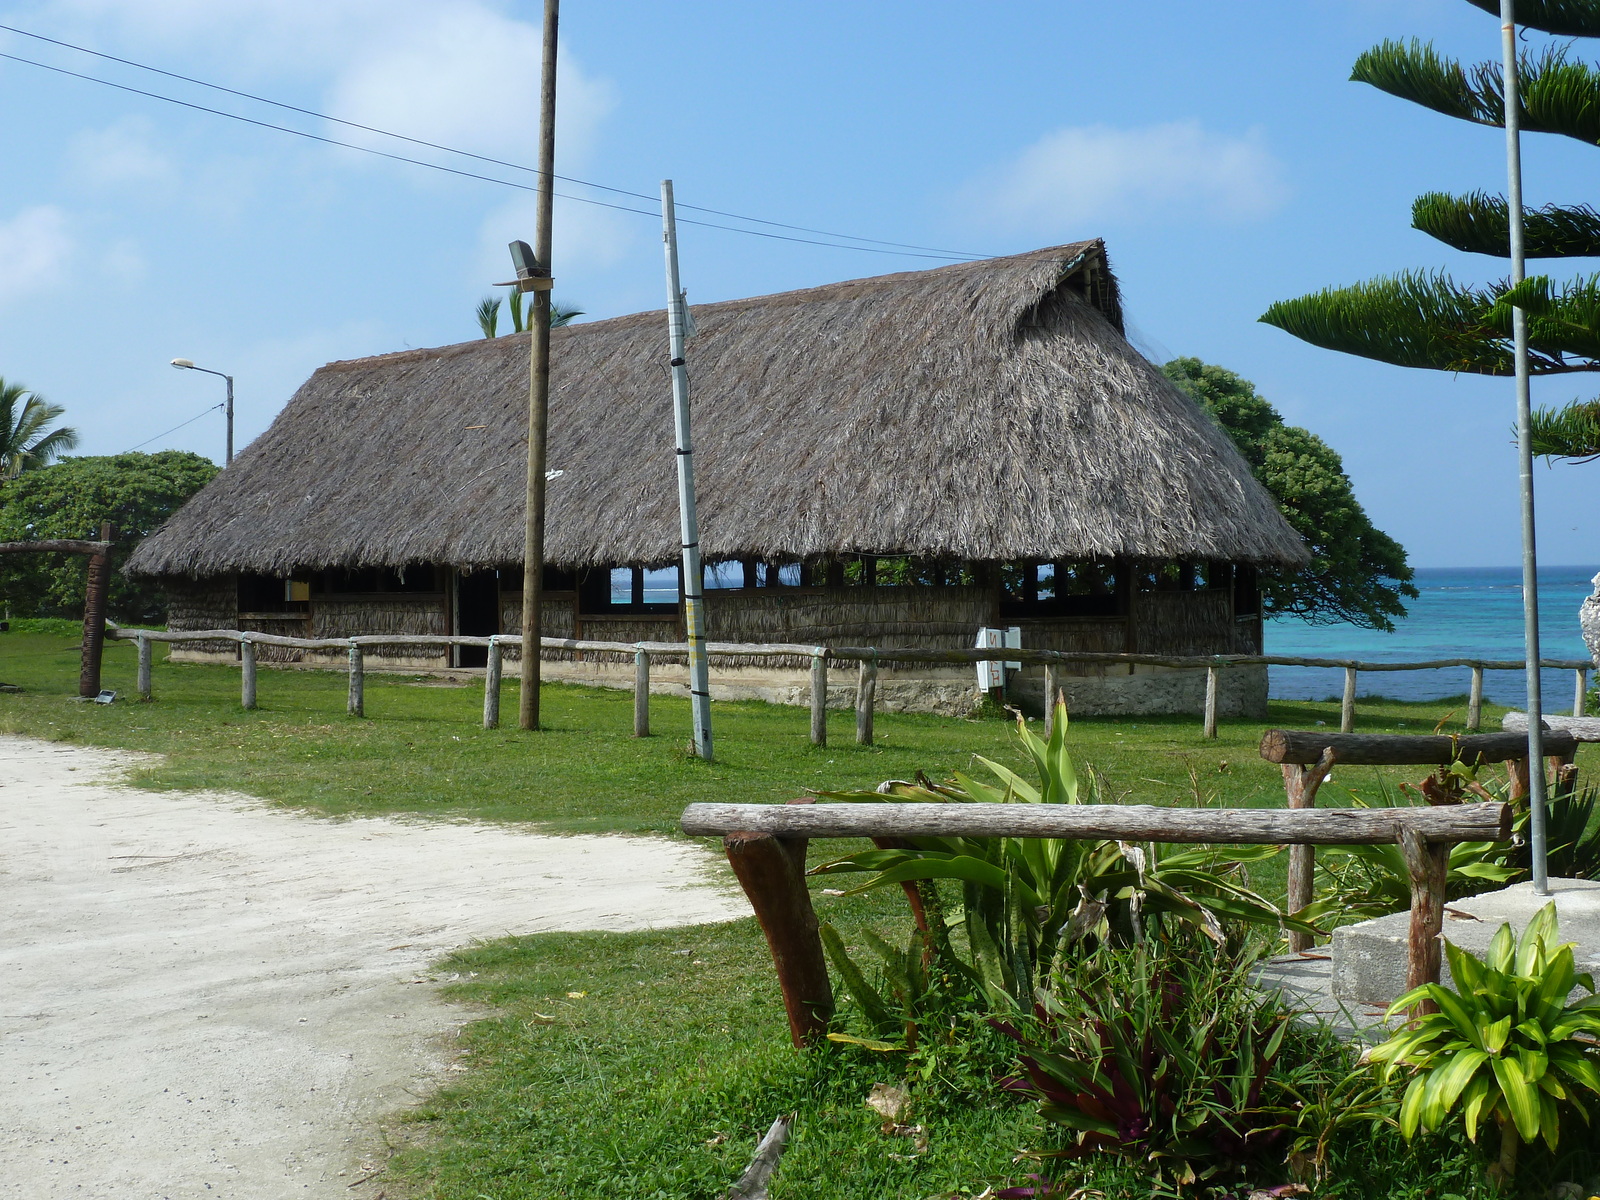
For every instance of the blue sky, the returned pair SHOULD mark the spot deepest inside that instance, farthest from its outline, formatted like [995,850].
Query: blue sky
[1221,152]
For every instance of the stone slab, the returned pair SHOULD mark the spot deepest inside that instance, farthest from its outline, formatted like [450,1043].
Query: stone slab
[1369,958]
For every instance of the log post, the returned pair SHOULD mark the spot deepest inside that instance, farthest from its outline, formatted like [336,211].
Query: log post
[247,673]
[1050,689]
[866,697]
[1517,778]
[819,698]
[1300,784]
[356,705]
[1211,702]
[1580,692]
[491,684]
[1475,702]
[772,872]
[143,644]
[641,692]
[1428,864]
[1347,711]
[94,616]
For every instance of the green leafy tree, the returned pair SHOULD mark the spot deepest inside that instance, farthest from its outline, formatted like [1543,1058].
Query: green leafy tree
[1357,573]
[26,441]
[69,499]
[489,315]
[1425,318]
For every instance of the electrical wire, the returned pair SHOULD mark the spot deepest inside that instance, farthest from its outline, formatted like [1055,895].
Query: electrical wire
[175,428]
[902,249]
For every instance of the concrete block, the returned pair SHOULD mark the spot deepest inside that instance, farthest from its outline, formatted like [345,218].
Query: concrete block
[1369,958]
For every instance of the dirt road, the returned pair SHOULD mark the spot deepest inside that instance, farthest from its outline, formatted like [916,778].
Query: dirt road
[204,996]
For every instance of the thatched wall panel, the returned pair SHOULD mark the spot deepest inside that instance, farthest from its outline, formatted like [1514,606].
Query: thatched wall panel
[1185,622]
[386,613]
[981,411]
[209,603]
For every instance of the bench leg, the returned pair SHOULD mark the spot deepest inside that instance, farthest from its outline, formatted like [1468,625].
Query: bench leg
[1428,864]
[1300,786]
[772,872]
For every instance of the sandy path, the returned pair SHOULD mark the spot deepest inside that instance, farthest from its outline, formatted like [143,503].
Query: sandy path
[201,996]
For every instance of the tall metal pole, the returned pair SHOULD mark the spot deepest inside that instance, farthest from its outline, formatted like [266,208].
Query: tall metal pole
[693,611]
[538,385]
[1530,556]
[228,462]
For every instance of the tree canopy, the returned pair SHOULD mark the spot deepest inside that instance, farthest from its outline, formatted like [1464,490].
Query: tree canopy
[1357,573]
[1425,318]
[69,499]
[26,441]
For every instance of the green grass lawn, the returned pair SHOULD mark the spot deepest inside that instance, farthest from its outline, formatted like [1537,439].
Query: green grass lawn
[659,1078]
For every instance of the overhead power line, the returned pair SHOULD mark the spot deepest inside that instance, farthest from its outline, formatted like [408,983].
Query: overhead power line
[210,409]
[897,248]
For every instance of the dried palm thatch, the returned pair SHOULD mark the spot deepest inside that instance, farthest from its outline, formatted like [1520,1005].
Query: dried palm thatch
[984,411]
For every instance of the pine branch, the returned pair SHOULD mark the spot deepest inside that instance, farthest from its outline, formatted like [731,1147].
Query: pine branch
[1571,432]
[1568,18]
[1480,224]
[1558,95]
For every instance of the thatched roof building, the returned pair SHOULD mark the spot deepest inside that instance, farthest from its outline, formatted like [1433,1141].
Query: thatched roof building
[983,411]
[986,423]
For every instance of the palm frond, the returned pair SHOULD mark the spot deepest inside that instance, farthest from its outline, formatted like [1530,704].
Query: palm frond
[515,303]
[1571,432]
[1567,18]
[25,440]
[561,315]
[489,315]
[1481,224]
[1558,95]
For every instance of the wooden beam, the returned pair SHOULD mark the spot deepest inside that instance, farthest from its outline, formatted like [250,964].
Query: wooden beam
[56,545]
[1387,749]
[1130,822]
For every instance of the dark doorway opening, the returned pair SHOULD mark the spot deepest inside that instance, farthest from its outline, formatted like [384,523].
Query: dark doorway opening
[477,614]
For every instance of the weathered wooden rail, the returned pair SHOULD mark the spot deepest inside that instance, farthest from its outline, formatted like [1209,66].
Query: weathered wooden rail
[869,659]
[1308,756]
[766,847]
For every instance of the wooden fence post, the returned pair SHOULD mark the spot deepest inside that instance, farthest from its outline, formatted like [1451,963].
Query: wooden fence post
[247,673]
[1428,864]
[356,706]
[143,644]
[866,697]
[641,692]
[1347,711]
[1300,784]
[1050,689]
[1580,693]
[1211,702]
[1475,702]
[819,697]
[772,872]
[491,684]
[94,617]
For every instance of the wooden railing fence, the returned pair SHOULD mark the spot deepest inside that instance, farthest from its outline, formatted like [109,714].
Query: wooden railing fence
[869,659]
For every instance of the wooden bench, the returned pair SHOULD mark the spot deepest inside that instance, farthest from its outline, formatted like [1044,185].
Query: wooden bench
[766,846]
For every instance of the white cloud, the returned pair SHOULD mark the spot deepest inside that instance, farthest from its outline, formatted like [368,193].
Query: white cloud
[36,249]
[1095,172]
[118,156]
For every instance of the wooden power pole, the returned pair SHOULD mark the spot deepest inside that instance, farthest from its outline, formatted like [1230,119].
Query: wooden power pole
[538,282]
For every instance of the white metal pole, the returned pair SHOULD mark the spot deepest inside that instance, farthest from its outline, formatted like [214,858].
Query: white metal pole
[1530,556]
[693,612]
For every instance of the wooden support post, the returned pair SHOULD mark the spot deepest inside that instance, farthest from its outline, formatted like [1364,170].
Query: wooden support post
[819,698]
[1517,778]
[94,617]
[1211,702]
[1050,689]
[1580,692]
[1428,864]
[772,872]
[866,698]
[641,692]
[1475,702]
[1300,784]
[356,706]
[492,666]
[1347,711]
[247,673]
[143,644]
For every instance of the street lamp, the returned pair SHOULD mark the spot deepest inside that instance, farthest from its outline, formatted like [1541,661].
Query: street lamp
[184,364]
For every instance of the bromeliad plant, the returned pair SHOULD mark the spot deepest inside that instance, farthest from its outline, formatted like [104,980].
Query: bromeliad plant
[1505,1046]
[1027,901]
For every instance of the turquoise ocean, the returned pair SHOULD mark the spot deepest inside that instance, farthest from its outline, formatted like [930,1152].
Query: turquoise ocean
[1467,612]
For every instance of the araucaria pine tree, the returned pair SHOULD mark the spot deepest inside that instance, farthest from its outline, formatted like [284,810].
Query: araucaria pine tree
[1426,318]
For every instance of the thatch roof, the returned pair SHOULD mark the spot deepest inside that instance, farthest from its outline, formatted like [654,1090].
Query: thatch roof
[983,411]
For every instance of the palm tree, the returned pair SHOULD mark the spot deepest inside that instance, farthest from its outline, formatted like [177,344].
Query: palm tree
[25,443]
[489,315]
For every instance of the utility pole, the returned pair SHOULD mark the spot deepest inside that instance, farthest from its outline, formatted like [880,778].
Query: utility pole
[1530,555]
[228,461]
[693,612]
[537,280]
